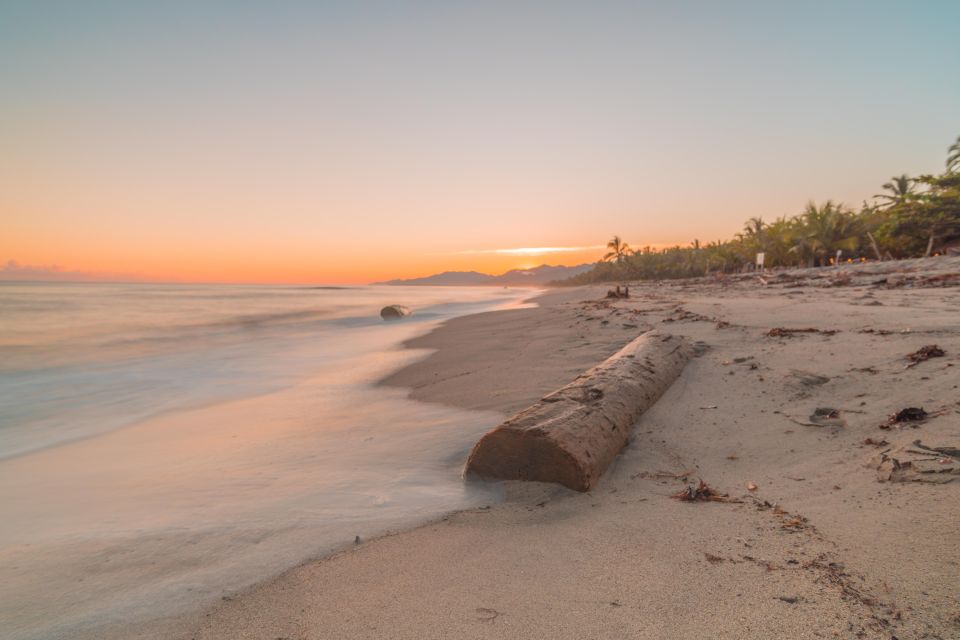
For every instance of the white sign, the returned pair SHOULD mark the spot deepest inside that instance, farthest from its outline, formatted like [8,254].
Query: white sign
[760,257]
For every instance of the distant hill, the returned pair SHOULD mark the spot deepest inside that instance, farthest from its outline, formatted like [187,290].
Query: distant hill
[514,278]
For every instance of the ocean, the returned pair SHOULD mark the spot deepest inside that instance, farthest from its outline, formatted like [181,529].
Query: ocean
[163,446]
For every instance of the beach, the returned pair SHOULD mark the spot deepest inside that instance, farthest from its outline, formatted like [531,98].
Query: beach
[413,321]
[808,544]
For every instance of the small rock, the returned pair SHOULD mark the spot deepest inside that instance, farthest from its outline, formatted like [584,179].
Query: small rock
[394,312]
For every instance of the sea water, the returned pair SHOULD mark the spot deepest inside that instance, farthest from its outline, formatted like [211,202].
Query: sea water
[163,446]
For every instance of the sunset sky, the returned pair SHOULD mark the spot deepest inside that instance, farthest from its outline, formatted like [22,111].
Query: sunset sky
[356,141]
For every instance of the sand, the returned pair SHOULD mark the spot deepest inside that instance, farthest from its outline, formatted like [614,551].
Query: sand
[819,549]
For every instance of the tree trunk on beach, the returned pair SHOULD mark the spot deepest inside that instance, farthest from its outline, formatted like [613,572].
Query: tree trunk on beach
[573,434]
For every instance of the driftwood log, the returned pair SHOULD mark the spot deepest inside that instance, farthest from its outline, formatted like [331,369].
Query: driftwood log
[572,435]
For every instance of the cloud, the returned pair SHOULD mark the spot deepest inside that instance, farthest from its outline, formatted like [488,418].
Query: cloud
[526,251]
[14,271]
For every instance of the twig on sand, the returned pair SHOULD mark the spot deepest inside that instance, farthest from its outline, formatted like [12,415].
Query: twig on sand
[702,493]
[680,475]
[782,332]
[923,354]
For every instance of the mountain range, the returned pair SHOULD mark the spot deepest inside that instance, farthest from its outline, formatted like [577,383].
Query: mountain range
[536,276]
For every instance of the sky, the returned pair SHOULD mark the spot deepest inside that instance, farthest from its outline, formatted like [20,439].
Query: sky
[354,141]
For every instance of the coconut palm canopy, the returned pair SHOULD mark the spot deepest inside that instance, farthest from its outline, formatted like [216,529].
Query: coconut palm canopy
[914,217]
[900,189]
[618,250]
[953,157]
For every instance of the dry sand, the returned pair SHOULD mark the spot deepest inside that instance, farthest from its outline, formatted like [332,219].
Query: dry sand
[820,549]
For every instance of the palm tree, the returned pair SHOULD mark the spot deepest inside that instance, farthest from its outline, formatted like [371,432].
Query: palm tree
[901,189]
[724,256]
[826,229]
[779,236]
[618,250]
[753,239]
[953,157]
[754,229]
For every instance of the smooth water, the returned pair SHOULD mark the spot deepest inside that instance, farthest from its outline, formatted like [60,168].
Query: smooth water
[164,445]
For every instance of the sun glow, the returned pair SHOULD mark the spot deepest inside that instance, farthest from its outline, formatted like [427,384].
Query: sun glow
[528,251]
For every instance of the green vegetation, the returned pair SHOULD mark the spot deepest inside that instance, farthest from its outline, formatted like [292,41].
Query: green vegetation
[913,217]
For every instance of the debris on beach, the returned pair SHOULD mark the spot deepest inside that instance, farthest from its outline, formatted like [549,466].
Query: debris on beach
[821,417]
[870,370]
[938,280]
[752,486]
[914,415]
[827,417]
[619,293]
[910,414]
[681,314]
[924,353]
[596,305]
[917,462]
[782,332]
[702,493]
[679,475]
[795,523]
[876,443]
[878,332]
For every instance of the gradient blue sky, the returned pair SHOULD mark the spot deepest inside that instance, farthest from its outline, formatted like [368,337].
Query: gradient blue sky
[289,140]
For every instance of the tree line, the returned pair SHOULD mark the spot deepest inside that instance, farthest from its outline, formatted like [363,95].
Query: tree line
[912,217]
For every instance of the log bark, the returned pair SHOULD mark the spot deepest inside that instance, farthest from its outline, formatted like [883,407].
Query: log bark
[572,435]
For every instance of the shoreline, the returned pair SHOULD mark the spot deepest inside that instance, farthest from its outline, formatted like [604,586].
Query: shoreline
[436,340]
[272,480]
[824,559]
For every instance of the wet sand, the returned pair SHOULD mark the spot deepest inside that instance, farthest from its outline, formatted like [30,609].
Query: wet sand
[810,545]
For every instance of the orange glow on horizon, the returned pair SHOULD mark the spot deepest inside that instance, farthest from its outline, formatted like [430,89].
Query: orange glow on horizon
[292,269]
[295,260]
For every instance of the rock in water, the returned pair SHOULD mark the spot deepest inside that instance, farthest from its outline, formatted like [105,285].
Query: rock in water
[572,435]
[394,312]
